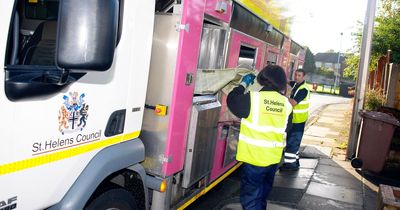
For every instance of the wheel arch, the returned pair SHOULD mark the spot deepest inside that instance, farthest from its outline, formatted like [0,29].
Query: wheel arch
[104,167]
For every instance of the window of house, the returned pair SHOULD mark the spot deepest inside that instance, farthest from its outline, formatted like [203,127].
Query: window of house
[328,65]
[318,64]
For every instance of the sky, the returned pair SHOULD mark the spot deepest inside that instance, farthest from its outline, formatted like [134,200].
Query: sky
[319,23]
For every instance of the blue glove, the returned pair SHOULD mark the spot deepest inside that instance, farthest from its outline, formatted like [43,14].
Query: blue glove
[248,80]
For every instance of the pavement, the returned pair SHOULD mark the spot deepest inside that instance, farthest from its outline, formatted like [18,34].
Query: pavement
[324,181]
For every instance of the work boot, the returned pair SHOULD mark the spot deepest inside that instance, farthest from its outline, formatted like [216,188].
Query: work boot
[290,167]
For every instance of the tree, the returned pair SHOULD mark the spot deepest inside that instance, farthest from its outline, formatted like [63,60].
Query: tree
[328,73]
[387,30]
[386,36]
[353,56]
[352,61]
[309,62]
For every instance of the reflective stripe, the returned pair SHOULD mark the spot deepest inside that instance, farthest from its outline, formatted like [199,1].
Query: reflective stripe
[290,160]
[294,86]
[260,143]
[256,111]
[261,128]
[290,155]
[304,102]
[64,154]
[300,111]
[289,109]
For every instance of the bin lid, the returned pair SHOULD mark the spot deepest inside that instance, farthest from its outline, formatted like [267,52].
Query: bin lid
[387,118]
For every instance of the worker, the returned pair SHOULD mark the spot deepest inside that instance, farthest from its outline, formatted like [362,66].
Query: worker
[264,117]
[300,99]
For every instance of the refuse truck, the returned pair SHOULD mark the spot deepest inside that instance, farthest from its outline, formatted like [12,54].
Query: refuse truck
[98,106]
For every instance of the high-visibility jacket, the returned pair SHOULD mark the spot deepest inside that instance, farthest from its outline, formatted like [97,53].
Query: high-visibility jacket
[261,138]
[300,111]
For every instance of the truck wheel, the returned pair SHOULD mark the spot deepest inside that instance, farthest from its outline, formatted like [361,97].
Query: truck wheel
[113,199]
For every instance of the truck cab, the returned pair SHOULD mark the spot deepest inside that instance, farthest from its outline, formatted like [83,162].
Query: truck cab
[74,82]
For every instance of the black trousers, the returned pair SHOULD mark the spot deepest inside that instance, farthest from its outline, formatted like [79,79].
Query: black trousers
[256,184]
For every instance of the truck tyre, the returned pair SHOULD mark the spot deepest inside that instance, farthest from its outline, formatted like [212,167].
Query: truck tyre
[113,199]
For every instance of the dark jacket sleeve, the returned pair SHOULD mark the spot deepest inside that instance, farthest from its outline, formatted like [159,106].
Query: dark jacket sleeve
[302,94]
[238,102]
[289,123]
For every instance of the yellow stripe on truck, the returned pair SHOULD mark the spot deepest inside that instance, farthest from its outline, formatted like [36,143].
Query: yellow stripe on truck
[64,154]
[208,188]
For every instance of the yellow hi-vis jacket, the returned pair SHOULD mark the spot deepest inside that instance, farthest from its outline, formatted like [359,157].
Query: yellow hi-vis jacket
[261,138]
[300,111]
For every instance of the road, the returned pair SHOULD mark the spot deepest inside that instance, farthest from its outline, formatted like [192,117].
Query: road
[318,101]
[214,200]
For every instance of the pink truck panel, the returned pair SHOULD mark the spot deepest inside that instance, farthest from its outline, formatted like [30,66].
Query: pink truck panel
[273,49]
[177,41]
[189,42]
[237,39]
[285,56]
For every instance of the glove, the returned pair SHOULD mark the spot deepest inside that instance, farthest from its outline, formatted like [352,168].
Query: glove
[248,80]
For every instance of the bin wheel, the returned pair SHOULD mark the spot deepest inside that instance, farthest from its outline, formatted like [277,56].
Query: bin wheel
[356,163]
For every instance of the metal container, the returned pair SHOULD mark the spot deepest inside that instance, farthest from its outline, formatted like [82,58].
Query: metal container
[161,77]
[231,144]
[212,49]
[202,139]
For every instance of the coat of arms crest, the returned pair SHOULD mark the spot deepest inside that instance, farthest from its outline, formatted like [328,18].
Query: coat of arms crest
[73,113]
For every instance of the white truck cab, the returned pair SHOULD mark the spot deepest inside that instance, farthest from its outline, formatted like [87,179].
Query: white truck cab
[73,84]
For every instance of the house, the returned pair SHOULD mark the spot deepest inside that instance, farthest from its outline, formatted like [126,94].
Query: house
[329,60]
